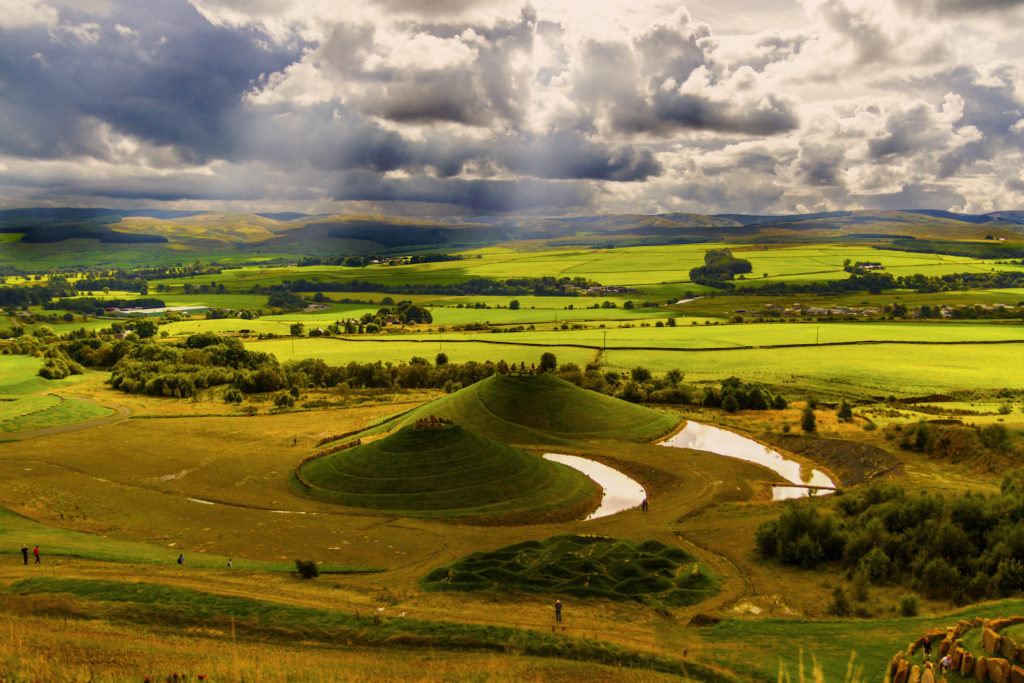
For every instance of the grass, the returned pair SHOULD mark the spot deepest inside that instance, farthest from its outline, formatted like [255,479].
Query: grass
[170,606]
[64,411]
[19,375]
[544,409]
[754,644]
[61,546]
[448,472]
[582,566]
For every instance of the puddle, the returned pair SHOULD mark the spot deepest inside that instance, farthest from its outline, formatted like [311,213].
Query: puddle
[200,500]
[702,437]
[620,492]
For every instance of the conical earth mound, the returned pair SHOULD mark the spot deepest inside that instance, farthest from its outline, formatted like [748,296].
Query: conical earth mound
[447,471]
[526,409]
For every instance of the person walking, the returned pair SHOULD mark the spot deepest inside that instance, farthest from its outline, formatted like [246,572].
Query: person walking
[181,558]
[229,563]
[36,553]
[24,553]
[558,610]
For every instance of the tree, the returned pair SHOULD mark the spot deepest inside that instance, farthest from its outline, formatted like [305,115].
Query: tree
[513,305]
[807,420]
[441,359]
[845,412]
[675,376]
[297,329]
[640,374]
[548,362]
[307,569]
[145,328]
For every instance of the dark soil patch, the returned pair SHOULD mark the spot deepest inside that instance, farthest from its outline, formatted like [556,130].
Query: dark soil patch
[854,463]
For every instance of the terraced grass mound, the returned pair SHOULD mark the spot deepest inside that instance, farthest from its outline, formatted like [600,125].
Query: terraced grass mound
[450,472]
[583,566]
[526,409]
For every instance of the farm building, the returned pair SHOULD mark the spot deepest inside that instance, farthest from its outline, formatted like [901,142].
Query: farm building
[157,312]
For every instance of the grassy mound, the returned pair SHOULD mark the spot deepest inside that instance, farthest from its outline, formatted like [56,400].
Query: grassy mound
[584,566]
[448,472]
[543,409]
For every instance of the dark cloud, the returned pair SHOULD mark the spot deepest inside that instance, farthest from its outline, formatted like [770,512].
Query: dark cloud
[959,6]
[908,131]
[476,195]
[177,80]
[569,156]
[770,116]
[820,164]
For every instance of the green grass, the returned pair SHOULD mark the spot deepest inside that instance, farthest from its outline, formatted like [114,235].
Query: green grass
[151,603]
[14,408]
[67,411]
[65,544]
[582,566]
[872,369]
[543,409]
[446,472]
[19,375]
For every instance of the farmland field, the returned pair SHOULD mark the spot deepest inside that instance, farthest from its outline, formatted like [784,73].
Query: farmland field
[434,561]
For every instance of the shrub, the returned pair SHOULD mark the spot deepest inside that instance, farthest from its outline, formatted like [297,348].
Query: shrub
[307,569]
[909,606]
[840,605]
[284,401]
[807,420]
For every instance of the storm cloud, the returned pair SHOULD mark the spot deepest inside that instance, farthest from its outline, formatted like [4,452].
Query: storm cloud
[502,106]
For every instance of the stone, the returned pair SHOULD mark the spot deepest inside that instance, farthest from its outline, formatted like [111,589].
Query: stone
[967,665]
[915,674]
[962,627]
[957,655]
[902,672]
[945,645]
[1004,622]
[998,670]
[1008,648]
[991,641]
[1017,675]
[928,675]
[981,669]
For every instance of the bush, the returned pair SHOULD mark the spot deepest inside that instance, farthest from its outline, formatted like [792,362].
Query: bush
[909,606]
[840,605]
[807,420]
[284,401]
[307,569]
[232,395]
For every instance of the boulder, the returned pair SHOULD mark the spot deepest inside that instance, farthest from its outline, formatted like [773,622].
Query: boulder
[967,664]
[902,672]
[957,655]
[1008,648]
[1003,622]
[991,641]
[915,674]
[928,675]
[1017,675]
[945,645]
[894,665]
[981,669]
[998,670]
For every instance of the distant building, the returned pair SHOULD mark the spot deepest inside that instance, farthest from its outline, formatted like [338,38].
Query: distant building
[157,312]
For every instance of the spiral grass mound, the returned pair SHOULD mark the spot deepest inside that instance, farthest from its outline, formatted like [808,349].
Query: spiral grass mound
[445,470]
[527,409]
[583,566]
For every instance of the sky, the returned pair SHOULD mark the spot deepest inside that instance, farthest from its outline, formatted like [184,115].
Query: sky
[546,107]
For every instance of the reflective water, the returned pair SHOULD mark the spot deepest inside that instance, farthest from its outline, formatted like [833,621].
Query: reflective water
[620,492]
[720,441]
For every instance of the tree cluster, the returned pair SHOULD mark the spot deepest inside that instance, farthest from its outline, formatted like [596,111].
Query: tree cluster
[719,267]
[968,547]
[543,286]
[735,394]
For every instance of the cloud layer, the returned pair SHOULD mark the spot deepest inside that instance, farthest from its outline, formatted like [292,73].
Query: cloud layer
[469,106]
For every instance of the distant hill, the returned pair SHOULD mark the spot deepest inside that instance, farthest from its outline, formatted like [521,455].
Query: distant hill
[195,233]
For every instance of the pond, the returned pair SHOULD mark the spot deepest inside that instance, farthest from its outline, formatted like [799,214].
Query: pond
[620,492]
[702,437]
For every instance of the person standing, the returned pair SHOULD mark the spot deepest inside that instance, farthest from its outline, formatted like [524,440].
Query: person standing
[36,553]
[558,610]
[181,558]
[24,553]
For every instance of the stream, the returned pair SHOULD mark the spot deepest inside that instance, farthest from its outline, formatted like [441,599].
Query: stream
[620,492]
[702,437]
